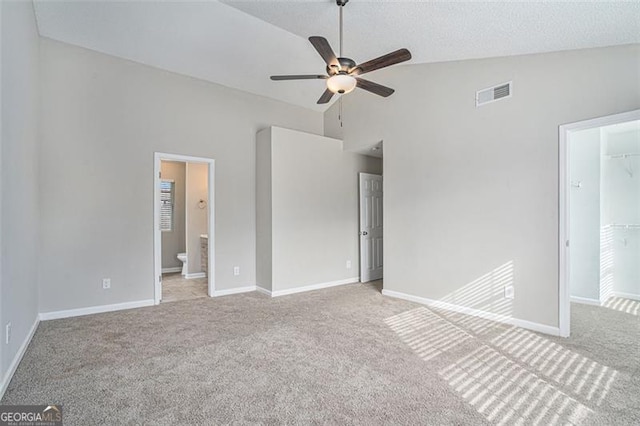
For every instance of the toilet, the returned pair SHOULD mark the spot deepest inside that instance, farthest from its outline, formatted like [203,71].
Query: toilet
[182,257]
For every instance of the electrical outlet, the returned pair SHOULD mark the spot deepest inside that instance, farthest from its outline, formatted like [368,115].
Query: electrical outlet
[106,283]
[509,292]
[7,333]
[348,264]
[236,270]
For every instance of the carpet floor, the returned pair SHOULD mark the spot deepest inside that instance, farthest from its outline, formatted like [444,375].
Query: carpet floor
[345,355]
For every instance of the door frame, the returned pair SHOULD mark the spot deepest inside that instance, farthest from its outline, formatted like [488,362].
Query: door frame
[158,157]
[360,262]
[564,182]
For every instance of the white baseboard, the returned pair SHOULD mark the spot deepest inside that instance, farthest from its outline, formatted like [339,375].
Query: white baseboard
[276,293]
[172,269]
[18,357]
[44,316]
[546,329]
[627,295]
[218,293]
[585,301]
[263,290]
[195,275]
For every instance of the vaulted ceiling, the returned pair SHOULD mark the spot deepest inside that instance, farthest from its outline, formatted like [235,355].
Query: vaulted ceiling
[240,44]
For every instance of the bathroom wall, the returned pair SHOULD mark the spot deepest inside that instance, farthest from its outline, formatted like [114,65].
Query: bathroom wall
[197,217]
[174,241]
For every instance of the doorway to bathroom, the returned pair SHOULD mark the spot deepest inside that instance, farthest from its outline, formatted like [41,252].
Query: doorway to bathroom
[183,227]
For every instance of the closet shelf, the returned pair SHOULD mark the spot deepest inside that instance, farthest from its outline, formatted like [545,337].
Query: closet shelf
[625,225]
[625,155]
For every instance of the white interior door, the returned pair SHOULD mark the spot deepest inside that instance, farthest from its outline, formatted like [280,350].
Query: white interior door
[370,227]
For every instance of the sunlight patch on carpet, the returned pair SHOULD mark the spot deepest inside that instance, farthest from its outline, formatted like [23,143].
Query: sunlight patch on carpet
[507,394]
[576,373]
[517,377]
[426,333]
[475,325]
[627,306]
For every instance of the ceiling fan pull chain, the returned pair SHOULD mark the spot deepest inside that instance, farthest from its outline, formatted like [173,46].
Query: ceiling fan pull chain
[340,110]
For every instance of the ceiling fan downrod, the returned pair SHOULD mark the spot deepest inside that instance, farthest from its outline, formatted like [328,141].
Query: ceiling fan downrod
[341,4]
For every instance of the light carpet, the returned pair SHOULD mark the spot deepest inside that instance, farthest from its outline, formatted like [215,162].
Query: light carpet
[345,355]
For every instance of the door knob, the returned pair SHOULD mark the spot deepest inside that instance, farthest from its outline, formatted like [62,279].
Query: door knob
[364,233]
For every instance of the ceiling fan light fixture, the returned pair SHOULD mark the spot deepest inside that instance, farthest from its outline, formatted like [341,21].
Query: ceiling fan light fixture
[341,83]
[343,74]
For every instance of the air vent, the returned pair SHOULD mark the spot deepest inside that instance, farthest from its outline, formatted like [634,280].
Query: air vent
[492,94]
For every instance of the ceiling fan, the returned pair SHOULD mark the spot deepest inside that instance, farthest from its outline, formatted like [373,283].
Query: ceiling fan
[343,74]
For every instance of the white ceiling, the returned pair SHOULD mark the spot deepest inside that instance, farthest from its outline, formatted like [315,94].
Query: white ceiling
[240,43]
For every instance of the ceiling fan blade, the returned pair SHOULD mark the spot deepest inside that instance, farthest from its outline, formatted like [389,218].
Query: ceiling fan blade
[372,87]
[326,97]
[324,49]
[298,77]
[400,55]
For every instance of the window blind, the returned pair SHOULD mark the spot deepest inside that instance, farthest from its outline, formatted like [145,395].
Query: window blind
[166,205]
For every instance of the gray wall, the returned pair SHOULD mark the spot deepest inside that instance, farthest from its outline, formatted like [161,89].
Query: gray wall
[314,208]
[197,218]
[106,114]
[2,355]
[584,232]
[19,175]
[174,241]
[470,189]
[264,241]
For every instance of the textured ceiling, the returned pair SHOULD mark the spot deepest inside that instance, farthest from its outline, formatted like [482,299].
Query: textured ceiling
[451,30]
[239,43]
